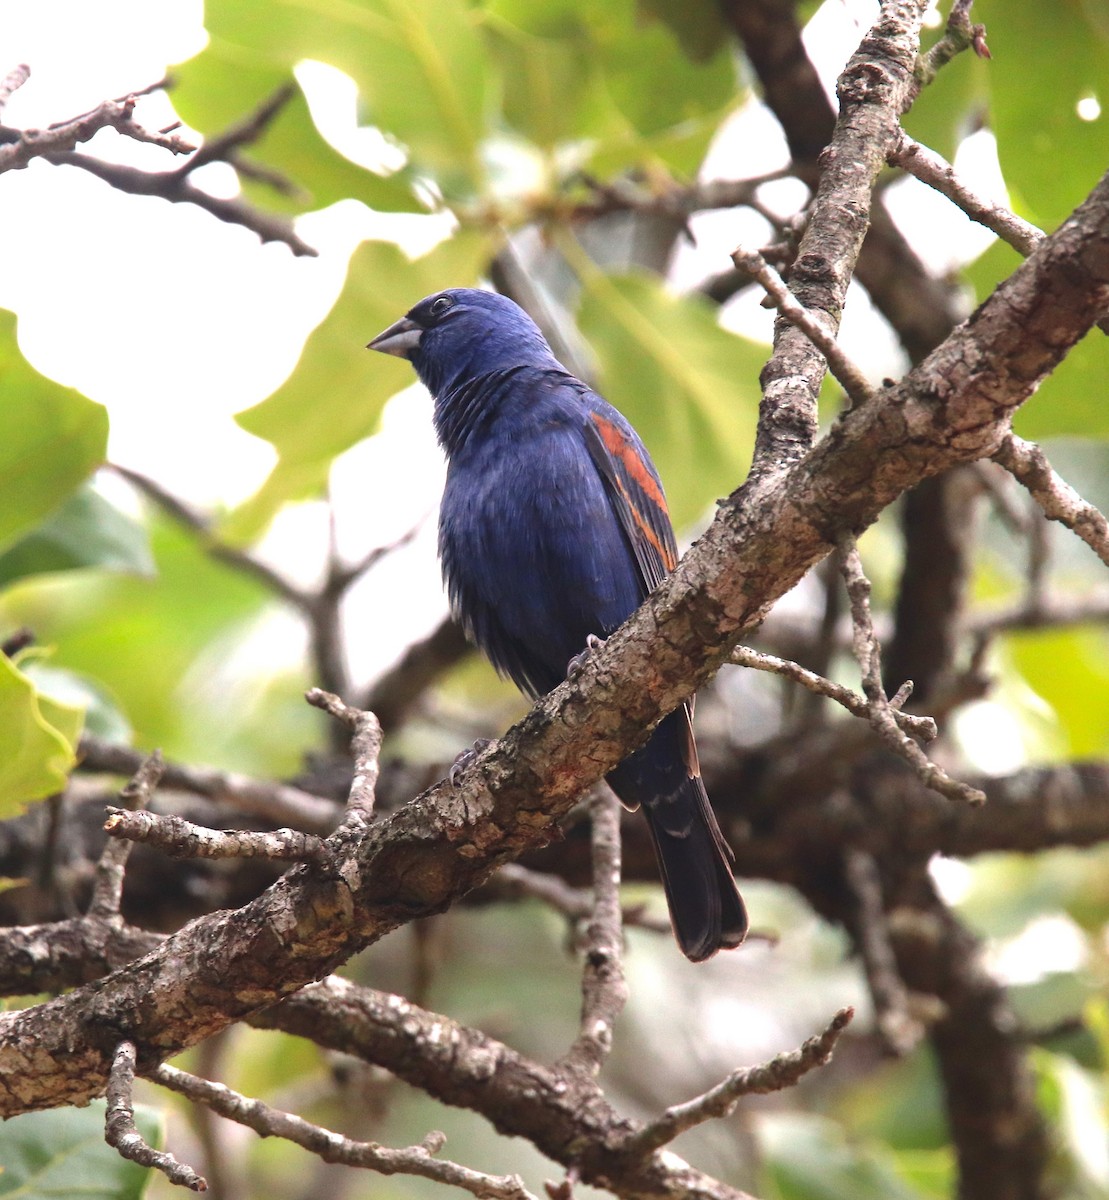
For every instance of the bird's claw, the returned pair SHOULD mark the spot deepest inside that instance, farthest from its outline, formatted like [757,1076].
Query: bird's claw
[466,759]
[593,643]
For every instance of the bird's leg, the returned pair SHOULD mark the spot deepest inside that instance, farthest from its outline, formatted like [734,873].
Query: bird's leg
[465,759]
[593,643]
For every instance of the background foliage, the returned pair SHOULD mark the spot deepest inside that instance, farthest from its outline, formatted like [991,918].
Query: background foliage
[501,116]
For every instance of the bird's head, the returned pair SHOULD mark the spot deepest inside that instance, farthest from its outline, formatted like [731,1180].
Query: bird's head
[458,334]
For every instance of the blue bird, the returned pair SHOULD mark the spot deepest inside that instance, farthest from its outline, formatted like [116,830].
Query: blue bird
[553,529]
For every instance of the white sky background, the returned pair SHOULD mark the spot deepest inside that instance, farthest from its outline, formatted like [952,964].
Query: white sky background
[175,321]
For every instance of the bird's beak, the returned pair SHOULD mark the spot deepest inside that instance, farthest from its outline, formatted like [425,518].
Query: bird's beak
[401,338]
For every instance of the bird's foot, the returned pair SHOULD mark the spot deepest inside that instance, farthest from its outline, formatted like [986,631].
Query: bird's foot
[592,644]
[465,759]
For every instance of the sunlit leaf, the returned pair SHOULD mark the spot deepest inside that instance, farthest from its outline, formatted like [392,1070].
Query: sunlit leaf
[38,737]
[1041,69]
[335,396]
[87,531]
[62,1152]
[419,65]
[53,438]
[689,387]
[223,84]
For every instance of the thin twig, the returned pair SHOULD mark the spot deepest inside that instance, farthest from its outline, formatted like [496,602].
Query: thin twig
[168,185]
[120,1131]
[1027,463]
[848,375]
[923,728]
[868,655]
[365,748]
[575,904]
[604,991]
[63,137]
[900,1031]
[960,35]
[182,839]
[242,133]
[12,82]
[927,166]
[277,802]
[201,525]
[333,1148]
[781,1072]
[107,890]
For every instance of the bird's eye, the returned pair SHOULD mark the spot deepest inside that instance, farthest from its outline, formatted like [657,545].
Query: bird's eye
[440,305]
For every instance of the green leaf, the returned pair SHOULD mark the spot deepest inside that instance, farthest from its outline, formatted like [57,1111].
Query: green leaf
[689,387]
[335,395]
[1041,68]
[225,82]
[53,439]
[62,1152]
[38,737]
[141,638]
[809,1158]
[419,64]
[1067,668]
[86,531]
[103,717]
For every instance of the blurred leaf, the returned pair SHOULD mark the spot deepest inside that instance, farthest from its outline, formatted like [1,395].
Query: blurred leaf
[1070,670]
[139,638]
[809,1158]
[419,64]
[1074,1100]
[697,24]
[689,387]
[223,84]
[37,740]
[86,531]
[901,1104]
[102,715]
[53,439]
[1041,68]
[62,1152]
[335,395]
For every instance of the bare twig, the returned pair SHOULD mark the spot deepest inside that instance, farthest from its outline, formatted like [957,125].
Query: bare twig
[395,693]
[868,655]
[168,185]
[63,137]
[897,1027]
[333,1148]
[931,169]
[849,376]
[12,82]
[277,802]
[120,1131]
[923,728]
[107,889]
[1054,614]
[960,35]
[1059,501]
[781,1072]
[242,133]
[185,515]
[604,989]
[182,839]
[575,904]
[365,746]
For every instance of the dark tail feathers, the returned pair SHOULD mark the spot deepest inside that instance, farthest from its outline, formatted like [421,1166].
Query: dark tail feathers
[694,860]
[706,908]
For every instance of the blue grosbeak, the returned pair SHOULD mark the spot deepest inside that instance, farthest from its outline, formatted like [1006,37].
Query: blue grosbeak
[553,530]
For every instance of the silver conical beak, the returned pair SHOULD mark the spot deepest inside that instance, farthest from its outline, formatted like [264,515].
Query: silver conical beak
[401,339]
